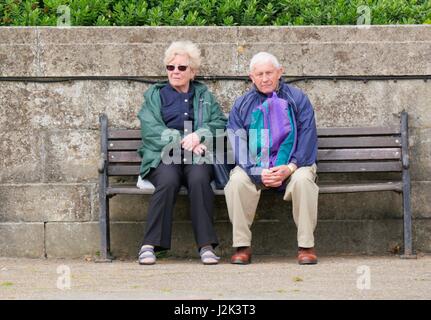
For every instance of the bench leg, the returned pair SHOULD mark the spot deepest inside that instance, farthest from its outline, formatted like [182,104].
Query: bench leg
[407,218]
[105,245]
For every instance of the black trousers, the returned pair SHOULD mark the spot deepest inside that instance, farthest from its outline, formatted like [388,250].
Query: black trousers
[167,180]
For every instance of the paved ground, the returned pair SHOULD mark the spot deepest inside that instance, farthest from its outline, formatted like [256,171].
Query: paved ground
[346,277]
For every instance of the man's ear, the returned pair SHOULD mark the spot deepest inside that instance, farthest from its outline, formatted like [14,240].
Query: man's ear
[281,70]
[251,77]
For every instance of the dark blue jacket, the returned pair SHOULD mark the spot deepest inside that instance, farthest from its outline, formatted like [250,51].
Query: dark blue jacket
[305,152]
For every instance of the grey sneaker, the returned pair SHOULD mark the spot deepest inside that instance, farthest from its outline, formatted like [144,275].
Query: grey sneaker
[208,256]
[147,256]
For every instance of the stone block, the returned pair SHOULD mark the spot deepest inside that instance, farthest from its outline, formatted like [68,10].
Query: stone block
[129,207]
[18,52]
[71,240]
[358,236]
[219,60]
[226,92]
[120,100]
[94,199]
[384,237]
[126,239]
[22,156]
[44,202]
[72,156]
[360,206]
[420,199]
[22,240]
[420,154]
[15,110]
[18,35]
[59,105]
[398,97]
[422,235]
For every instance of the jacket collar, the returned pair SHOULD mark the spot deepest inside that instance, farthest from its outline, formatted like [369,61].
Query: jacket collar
[197,85]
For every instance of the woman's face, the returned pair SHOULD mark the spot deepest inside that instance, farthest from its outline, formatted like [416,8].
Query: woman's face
[178,79]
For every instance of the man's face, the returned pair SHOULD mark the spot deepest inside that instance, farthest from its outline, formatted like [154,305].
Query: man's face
[265,77]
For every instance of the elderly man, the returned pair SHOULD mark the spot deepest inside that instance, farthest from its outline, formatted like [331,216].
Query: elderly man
[272,131]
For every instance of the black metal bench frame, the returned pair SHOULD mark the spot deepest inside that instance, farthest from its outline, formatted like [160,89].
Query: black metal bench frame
[341,150]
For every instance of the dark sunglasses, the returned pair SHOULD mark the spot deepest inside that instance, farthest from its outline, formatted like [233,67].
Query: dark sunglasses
[171,67]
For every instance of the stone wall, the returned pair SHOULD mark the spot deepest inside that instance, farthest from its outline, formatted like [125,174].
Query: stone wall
[50,140]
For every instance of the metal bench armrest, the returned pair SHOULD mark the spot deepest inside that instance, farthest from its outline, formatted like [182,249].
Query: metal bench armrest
[102,163]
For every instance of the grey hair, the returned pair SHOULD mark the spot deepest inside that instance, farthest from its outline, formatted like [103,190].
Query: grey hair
[187,48]
[263,57]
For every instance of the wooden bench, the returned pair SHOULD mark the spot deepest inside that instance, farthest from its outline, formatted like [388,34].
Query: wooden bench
[349,151]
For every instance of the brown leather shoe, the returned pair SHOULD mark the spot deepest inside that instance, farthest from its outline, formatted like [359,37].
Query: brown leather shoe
[241,256]
[307,256]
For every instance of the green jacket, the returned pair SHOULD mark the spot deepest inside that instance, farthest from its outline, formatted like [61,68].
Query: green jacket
[152,125]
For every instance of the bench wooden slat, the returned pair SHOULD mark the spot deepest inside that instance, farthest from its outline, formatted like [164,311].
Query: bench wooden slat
[124,134]
[359,154]
[123,170]
[360,131]
[124,156]
[124,145]
[358,142]
[361,187]
[131,189]
[354,166]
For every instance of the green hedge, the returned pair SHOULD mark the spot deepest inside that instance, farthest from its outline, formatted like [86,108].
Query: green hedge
[213,12]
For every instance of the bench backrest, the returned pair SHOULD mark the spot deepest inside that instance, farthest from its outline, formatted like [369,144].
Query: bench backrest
[359,149]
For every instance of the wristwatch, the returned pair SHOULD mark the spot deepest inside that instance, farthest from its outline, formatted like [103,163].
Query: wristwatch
[292,167]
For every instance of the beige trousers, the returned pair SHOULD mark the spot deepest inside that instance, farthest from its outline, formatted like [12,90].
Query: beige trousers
[242,198]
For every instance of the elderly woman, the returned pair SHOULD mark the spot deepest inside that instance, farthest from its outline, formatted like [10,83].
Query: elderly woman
[171,107]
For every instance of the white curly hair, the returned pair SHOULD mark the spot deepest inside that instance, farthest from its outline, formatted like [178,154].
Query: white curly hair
[264,57]
[187,48]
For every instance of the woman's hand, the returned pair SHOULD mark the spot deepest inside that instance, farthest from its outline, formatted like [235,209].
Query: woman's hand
[190,141]
[199,149]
